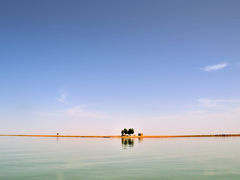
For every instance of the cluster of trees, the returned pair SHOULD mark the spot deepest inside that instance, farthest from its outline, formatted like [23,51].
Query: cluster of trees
[129,131]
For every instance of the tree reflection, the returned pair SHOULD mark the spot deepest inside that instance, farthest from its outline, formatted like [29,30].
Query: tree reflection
[127,142]
[140,140]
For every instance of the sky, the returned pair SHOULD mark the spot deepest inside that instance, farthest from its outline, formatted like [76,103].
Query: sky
[91,67]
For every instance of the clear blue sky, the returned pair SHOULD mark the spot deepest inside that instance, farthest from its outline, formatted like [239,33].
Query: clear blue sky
[94,67]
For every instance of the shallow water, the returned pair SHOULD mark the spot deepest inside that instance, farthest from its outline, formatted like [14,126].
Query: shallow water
[37,158]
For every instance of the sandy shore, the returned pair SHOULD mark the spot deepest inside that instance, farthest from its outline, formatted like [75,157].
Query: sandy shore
[167,136]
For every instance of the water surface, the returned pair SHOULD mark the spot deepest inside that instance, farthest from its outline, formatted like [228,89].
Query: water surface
[38,158]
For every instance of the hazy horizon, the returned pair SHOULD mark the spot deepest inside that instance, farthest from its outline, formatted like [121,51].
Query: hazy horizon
[96,67]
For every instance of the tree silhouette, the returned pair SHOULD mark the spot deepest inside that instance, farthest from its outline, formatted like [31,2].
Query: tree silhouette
[125,131]
[130,131]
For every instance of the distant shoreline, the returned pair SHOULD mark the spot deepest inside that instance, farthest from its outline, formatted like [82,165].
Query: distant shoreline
[167,136]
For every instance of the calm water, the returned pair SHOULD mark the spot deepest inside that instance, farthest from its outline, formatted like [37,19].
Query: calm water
[32,158]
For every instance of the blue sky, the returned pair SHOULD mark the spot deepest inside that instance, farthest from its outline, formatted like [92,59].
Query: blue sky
[94,67]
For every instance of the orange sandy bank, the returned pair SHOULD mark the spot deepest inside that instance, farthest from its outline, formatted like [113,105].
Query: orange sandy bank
[167,136]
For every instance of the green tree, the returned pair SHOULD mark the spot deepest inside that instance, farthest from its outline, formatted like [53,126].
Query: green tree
[130,131]
[122,132]
[125,131]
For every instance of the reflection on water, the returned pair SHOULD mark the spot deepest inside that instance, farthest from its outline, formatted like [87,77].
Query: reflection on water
[140,140]
[127,142]
[33,158]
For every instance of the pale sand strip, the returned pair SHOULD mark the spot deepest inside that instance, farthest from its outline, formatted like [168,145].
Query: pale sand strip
[168,136]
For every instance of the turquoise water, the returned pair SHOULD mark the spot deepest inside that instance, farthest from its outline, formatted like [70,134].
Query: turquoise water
[34,158]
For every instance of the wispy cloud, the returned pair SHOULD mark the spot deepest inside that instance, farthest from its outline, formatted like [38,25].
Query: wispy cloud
[218,103]
[63,97]
[215,67]
[81,111]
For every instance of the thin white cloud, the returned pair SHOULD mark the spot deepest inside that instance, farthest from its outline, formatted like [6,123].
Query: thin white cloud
[209,103]
[63,97]
[217,104]
[215,67]
[81,111]
[217,101]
